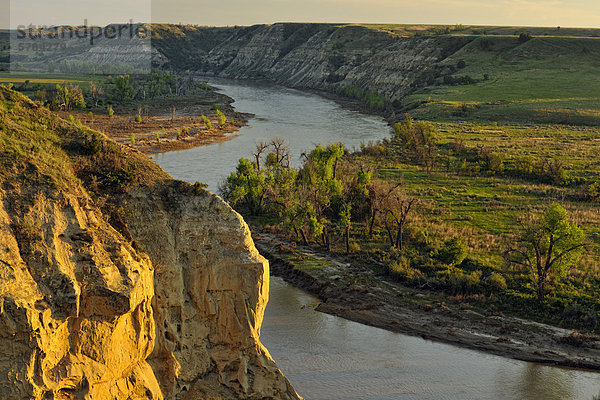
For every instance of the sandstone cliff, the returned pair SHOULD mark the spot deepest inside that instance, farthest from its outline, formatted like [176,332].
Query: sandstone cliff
[118,282]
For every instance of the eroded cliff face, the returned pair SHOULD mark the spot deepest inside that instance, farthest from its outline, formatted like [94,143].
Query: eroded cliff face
[75,309]
[211,293]
[117,282]
[305,55]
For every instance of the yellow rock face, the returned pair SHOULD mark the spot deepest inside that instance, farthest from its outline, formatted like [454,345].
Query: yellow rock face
[84,315]
[75,308]
[211,293]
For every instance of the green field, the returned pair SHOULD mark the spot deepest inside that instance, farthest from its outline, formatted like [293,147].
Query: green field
[544,80]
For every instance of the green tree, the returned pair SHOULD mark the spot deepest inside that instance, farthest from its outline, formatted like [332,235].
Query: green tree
[322,187]
[547,247]
[246,186]
[123,91]
[418,139]
[345,223]
[69,97]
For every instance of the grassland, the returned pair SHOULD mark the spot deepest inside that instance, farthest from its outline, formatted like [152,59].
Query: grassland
[412,30]
[543,80]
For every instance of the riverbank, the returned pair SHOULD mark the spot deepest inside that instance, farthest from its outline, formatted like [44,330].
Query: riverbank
[353,291]
[167,124]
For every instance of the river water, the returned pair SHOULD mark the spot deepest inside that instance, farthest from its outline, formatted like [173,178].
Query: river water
[327,357]
[304,120]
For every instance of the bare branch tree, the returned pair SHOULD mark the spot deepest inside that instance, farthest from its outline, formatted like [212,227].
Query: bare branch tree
[260,149]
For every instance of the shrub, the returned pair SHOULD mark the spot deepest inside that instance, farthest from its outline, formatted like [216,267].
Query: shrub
[132,138]
[453,252]
[402,270]
[524,37]
[593,190]
[206,122]
[374,149]
[91,143]
[138,118]
[222,120]
[115,179]
[458,282]
[496,281]
[199,188]
[111,112]
[354,247]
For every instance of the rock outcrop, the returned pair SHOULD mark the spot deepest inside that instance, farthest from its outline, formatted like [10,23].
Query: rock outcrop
[211,292]
[75,307]
[118,282]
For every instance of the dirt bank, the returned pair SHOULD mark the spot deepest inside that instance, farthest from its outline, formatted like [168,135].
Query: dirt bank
[357,293]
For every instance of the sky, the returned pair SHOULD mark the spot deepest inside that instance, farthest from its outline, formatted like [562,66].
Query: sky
[566,13]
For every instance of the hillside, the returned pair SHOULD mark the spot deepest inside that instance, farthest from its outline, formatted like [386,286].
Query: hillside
[479,73]
[117,281]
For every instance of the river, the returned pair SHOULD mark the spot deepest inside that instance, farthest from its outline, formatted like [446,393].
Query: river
[303,119]
[326,357]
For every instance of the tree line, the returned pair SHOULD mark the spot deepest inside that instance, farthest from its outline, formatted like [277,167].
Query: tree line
[335,195]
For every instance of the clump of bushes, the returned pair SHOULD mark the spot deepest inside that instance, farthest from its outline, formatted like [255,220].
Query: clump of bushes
[375,149]
[91,143]
[458,80]
[401,270]
[206,122]
[542,170]
[524,37]
[222,119]
[465,109]
[453,252]
[457,281]
[496,282]
[373,99]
